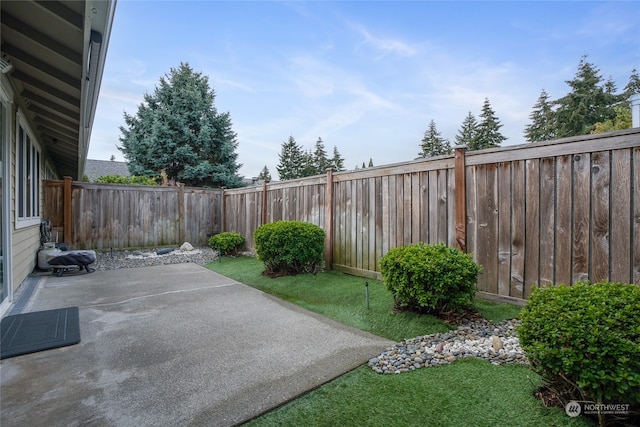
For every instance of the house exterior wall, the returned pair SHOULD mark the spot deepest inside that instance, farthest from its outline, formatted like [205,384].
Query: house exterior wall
[23,240]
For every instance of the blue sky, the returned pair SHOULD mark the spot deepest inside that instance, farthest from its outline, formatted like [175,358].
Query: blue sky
[365,76]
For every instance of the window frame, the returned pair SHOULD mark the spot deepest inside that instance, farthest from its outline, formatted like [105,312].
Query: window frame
[27,177]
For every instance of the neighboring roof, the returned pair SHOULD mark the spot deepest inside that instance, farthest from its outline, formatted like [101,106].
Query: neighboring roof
[55,53]
[97,168]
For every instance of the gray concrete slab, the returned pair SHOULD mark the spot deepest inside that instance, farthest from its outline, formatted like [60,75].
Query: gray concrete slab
[173,345]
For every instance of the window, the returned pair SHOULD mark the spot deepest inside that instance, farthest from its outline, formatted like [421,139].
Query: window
[28,178]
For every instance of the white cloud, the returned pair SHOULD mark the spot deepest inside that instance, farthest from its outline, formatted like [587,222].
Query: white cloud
[385,45]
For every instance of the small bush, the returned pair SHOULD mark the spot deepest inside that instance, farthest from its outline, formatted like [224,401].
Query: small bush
[584,340]
[431,278]
[290,247]
[129,180]
[227,243]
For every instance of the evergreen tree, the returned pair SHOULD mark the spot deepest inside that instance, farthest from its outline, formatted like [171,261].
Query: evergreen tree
[633,87]
[264,174]
[292,160]
[320,160]
[488,135]
[468,132]
[336,162]
[309,164]
[370,162]
[588,103]
[542,127]
[178,129]
[363,166]
[433,144]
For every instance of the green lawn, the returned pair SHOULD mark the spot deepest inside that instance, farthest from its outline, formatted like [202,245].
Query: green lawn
[467,392]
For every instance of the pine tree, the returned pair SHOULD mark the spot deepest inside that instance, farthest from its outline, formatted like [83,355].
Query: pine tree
[433,144]
[308,164]
[633,87]
[264,174]
[336,162]
[370,163]
[468,132]
[542,126]
[320,160]
[178,129]
[588,103]
[489,135]
[292,160]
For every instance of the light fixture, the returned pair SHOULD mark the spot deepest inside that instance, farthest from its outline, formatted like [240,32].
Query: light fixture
[5,65]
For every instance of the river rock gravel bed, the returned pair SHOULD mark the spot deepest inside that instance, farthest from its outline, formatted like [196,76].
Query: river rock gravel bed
[495,342]
[117,259]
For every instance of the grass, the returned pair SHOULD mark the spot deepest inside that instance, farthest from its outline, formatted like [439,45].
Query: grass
[467,392]
[343,298]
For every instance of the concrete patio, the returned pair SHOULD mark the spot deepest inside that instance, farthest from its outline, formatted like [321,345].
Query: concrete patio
[173,345]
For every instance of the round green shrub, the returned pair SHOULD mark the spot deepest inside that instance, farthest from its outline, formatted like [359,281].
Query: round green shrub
[431,278]
[227,243]
[584,340]
[290,247]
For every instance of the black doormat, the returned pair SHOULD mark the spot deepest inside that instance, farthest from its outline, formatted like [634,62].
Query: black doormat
[41,330]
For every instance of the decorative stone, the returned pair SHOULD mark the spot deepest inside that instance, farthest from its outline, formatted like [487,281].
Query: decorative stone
[496,343]
[186,247]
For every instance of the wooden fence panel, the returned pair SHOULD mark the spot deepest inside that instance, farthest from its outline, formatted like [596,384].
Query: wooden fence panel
[536,214]
[105,216]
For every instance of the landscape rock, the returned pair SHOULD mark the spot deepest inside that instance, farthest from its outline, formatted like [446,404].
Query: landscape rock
[186,247]
[497,343]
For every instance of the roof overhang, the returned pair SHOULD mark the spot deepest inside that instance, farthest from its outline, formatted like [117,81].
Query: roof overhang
[53,53]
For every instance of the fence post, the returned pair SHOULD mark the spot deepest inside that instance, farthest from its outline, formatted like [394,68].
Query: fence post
[461,197]
[328,221]
[66,211]
[181,226]
[222,215]
[264,203]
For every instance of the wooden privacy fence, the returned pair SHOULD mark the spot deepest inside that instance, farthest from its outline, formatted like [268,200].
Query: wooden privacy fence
[104,216]
[532,215]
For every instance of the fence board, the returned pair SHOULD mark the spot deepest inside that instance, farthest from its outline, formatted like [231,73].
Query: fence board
[563,220]
[635,220]
[518,224]
[379,221]
[600,178]
[532,226]
[443,218]
[547,220]
[620,236]
[415,207]
[504,228]
[581,216]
